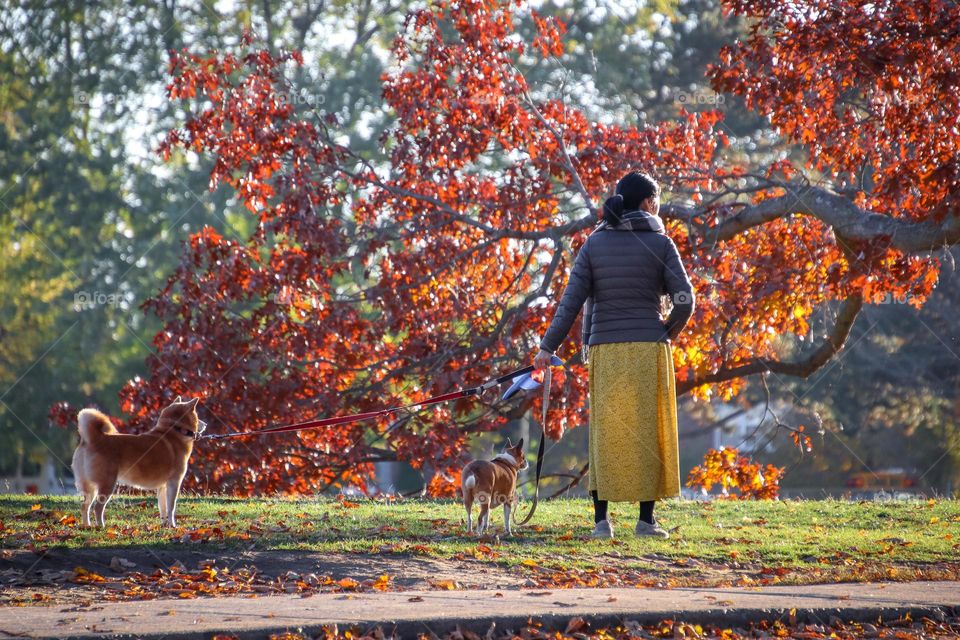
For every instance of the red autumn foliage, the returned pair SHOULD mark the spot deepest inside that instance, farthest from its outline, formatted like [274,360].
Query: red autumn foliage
[371,282]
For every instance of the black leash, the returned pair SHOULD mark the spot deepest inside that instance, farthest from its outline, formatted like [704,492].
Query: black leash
[541,449]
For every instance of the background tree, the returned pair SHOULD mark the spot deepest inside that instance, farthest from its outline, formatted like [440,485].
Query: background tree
[889,400]
[92,222]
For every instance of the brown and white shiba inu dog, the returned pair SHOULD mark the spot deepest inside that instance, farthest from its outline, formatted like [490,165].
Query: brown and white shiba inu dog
[493,483]
[156,459]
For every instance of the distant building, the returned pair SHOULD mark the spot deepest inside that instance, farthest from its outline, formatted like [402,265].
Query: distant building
[46,482]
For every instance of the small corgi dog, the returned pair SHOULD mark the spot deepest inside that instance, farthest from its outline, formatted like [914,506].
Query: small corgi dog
[493,483]
[155,460]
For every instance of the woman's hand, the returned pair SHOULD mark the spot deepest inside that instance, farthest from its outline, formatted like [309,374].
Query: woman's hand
[542,360]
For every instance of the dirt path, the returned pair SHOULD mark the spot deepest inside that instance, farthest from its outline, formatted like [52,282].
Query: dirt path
[415,612]
[82,576]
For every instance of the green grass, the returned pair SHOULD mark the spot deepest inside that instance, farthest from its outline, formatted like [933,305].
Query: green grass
[782,534]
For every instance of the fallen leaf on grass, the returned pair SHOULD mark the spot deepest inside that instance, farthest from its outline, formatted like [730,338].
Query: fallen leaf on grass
[484,551]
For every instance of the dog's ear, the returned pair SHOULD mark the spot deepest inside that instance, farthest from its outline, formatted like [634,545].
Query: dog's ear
[193,403]
[519,444]
[177,399]
[509,443]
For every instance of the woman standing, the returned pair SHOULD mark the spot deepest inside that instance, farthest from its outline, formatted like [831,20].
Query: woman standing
[623,268]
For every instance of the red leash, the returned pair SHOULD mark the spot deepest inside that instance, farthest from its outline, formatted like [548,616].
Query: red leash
[358,417]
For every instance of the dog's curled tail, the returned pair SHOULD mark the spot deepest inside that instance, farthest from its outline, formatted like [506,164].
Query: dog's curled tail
[469,482]
[93,425]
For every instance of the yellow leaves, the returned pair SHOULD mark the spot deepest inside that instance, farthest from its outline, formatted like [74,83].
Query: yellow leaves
[83,576]
[727,468]
[382,583]
[445,585]
[36,507]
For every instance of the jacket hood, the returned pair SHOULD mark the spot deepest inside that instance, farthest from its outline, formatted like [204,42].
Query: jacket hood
[637,220]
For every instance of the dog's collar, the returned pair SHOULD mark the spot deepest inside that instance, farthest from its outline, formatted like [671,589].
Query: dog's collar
[186,432]
[506,457]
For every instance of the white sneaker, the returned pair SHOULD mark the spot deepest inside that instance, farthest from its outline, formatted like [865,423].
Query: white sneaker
[603,530]
[645,529]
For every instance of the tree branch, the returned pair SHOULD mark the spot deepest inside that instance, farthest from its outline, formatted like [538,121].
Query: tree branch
[846,316]
[846,218]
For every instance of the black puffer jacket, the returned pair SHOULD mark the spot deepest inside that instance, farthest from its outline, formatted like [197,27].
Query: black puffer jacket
[621,272]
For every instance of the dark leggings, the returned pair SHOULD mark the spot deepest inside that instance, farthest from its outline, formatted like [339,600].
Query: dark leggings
[600,509]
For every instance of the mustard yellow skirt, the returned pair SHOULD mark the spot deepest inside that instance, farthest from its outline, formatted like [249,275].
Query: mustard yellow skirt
[633,452]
